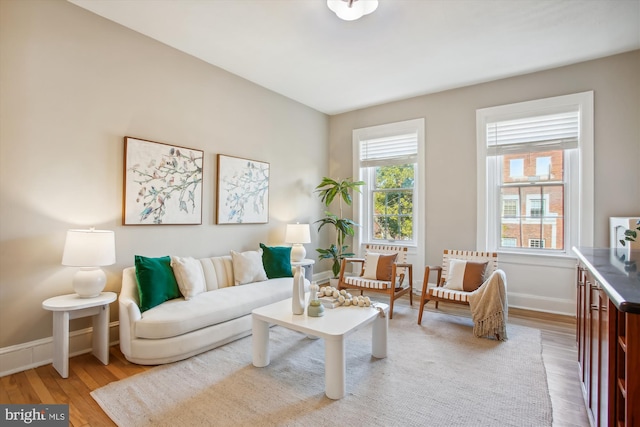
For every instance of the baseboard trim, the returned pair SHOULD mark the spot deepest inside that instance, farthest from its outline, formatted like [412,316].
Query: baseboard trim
[32,354]
[565,307]
[528,302]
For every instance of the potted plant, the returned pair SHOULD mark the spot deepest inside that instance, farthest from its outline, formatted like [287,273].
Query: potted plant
[631,235]
[328,190]
[630,258]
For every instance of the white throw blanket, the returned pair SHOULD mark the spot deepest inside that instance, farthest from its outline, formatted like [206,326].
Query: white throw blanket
[489,307]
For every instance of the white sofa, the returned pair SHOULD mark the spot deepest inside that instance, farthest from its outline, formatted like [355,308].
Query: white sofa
[179,328]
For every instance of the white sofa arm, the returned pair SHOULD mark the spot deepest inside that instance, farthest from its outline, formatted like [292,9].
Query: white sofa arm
[129,310]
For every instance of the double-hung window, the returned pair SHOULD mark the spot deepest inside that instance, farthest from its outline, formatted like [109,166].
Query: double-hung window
[386,158]
[535,175]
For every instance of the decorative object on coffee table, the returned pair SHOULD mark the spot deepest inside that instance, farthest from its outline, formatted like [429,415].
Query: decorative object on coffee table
[315,309]
[297,300]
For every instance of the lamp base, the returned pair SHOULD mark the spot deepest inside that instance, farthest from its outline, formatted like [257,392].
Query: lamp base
[298,252]
[89,282]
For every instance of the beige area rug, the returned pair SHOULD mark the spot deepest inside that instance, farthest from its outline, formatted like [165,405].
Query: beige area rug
[436,374]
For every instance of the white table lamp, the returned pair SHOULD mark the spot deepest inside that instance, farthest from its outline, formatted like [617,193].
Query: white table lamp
[89,250]
[297,234]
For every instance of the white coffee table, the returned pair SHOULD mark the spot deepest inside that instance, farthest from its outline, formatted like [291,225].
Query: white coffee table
[333,327]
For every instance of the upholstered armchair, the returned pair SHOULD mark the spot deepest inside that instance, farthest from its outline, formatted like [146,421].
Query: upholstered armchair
[384,269]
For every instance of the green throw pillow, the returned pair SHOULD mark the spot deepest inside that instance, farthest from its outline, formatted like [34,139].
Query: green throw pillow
[276,261]
[156,282]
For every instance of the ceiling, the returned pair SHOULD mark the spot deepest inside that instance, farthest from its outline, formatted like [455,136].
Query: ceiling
[405,48]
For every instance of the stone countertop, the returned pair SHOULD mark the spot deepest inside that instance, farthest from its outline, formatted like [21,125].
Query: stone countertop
[617,276]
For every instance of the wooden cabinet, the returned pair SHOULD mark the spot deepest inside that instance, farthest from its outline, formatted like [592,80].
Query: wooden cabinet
[625,378]
[608,340]
[593,345]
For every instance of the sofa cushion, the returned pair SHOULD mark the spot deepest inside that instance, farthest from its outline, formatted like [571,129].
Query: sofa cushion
[189,275]
[178,316]
[156,282]
[247,267]
[276,261]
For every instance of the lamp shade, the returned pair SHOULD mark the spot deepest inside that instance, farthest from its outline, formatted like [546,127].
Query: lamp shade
[297,233]
[89,248]
[350,10]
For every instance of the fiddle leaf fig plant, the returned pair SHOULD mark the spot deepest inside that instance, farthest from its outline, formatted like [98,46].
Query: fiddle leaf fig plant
[328,190]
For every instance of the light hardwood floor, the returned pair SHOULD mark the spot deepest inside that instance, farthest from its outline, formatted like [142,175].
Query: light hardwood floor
[44,385]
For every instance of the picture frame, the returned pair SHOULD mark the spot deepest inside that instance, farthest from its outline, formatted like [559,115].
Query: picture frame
[243,191]
[162,183]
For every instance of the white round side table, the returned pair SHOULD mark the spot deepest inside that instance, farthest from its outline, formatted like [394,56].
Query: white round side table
[307,264]
[72,306]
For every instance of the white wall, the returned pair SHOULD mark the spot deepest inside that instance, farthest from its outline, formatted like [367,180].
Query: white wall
[73,85]
[450,182]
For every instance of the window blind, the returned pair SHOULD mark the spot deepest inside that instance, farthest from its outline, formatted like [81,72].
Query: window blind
[391,150]
[559,131]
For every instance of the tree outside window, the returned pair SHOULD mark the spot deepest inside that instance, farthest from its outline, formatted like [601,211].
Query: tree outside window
[393,202]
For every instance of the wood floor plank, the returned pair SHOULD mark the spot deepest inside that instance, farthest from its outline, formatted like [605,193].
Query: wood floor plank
[38,386]
[21,391]
[80,409]
[86,378]
[75,416]
[49,377]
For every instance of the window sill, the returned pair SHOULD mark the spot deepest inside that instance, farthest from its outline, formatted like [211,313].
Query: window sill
[562,260]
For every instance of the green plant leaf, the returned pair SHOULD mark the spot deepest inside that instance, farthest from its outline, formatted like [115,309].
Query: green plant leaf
[328,190]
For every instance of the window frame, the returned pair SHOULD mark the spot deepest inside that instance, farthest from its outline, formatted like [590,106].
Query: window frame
[363,202]
[579,167]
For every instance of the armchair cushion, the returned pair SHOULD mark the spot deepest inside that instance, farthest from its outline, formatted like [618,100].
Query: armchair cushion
[465,275]
[378,266]
[361,282]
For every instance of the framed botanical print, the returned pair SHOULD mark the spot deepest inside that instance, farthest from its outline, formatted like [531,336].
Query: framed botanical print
[243,191]
[162,183]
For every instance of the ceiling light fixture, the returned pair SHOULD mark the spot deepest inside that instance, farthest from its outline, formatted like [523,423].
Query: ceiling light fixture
[350,10]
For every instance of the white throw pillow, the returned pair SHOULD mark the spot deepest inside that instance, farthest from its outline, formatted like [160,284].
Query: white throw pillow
[189,275]
[247,267]
[378,266]
[465,275]
[455,275]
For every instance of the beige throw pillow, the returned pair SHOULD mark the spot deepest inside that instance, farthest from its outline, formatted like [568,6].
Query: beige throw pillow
[378,266]
[247,267]
[465,275]
[189,275]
